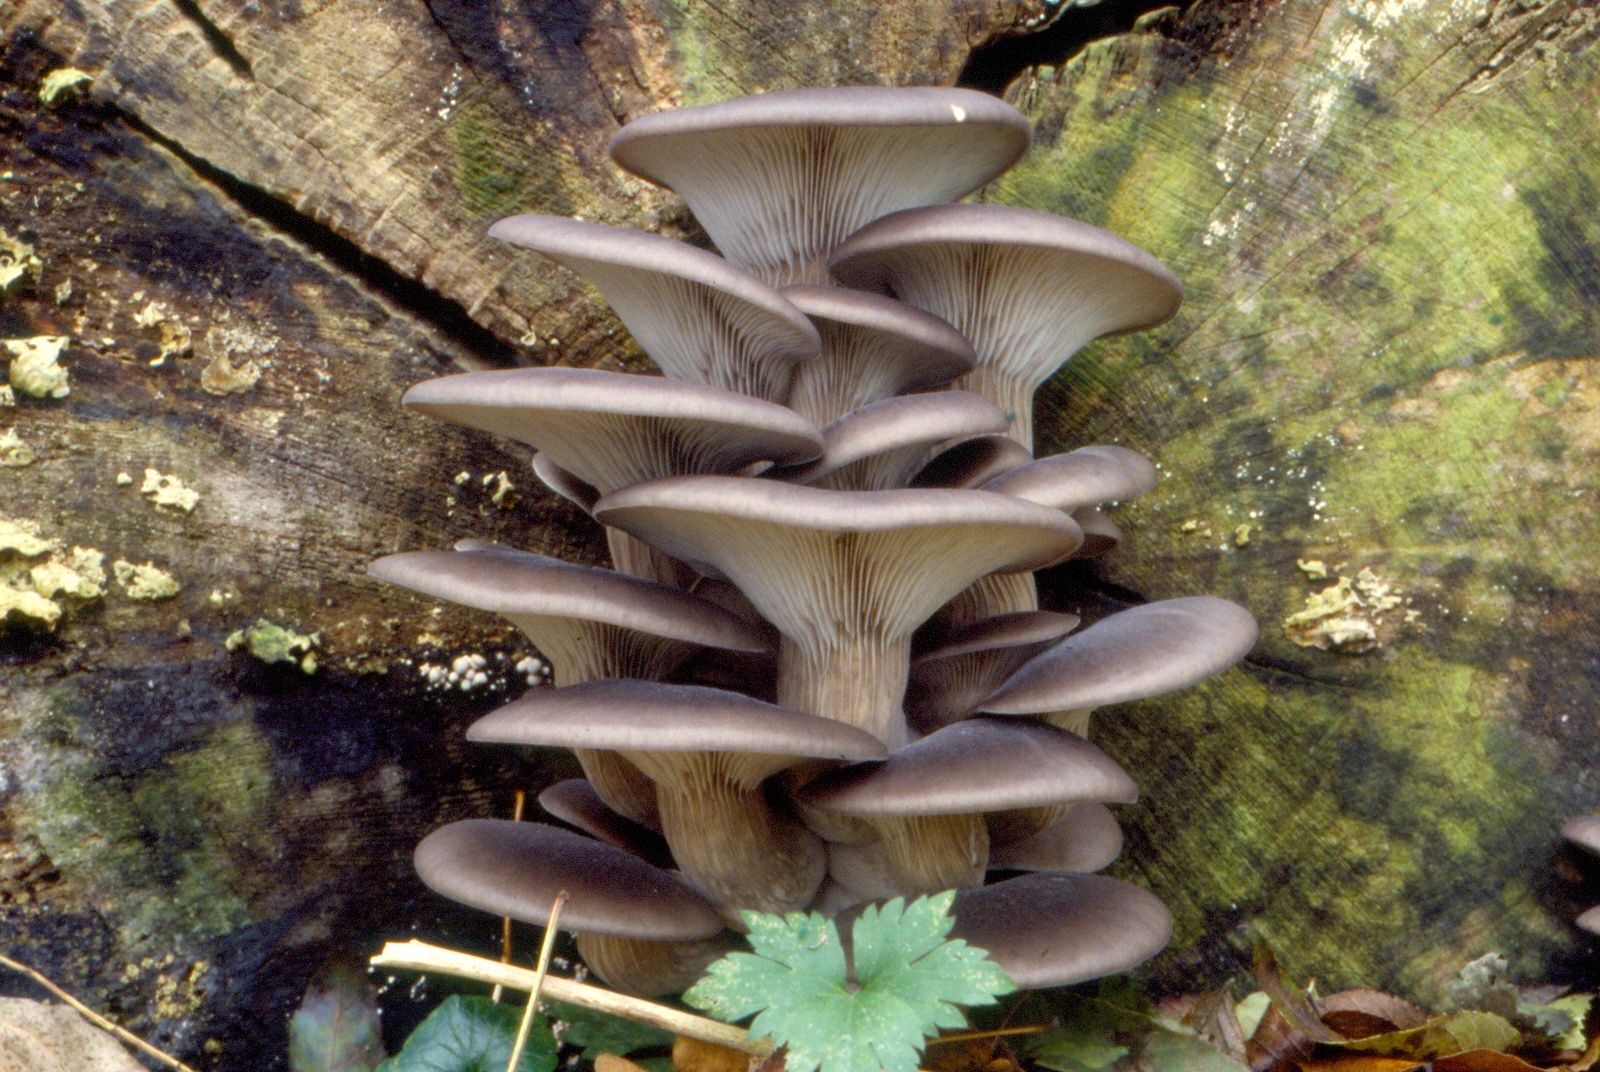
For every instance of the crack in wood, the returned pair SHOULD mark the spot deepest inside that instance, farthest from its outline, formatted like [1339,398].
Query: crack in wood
[219,41]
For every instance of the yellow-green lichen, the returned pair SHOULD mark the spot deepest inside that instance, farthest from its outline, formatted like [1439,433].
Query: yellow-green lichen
[23,537]
[17,261]
[272,643]
[81,575]
[168,491]
[34,370]
[60,80]
[147,583]
[14,453]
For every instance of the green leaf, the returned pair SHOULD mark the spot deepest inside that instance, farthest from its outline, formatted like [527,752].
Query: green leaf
[336,1027]
[1441,1037]
[910,976]
[473,1034]
[1171,1051]
[1577,1007]
[597,1032]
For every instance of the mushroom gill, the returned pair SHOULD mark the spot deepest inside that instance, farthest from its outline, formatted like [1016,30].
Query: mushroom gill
[835,466]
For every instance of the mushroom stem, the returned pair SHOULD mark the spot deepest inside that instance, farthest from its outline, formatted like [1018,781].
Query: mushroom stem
[650,969]
[1071,721]
[930,853]
[728,841]
[638,559]
[856,678]
[1011,392]
[998,593]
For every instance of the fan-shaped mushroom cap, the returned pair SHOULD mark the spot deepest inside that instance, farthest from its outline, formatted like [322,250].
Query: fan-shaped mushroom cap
[973,463]
[564,484]
[844,576]
[652,969]
[881,445]
[1100,534]
[576,803]
[1584,832]
[872,348]
[1056,929]
[968,663]
[708,752]
[1590,920]
[1086,838]
[1084,477]
[610,429]
[926,800]
[517,869]
[779,179]
[589,623]
[1028,288]
[1146,651]
[698,316]
[974,766]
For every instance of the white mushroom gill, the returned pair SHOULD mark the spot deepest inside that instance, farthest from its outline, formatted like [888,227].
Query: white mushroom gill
[809,512]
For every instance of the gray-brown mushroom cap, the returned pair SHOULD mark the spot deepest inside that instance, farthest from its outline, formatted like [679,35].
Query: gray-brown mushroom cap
[699,317]
[1584,832]
[1056,929]
[563,483]
[1022,629]
[575,802]
[1085,477]
[872,348]
[517,869]
[1085,839]
[1146,651]
[1028,288]
[881,445]
[778,179]
[977,765]
[631,716]
[1590,920]
[973,463]
[611,429]
[516,583]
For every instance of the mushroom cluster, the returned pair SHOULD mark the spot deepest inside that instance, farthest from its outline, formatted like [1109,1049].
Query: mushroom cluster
[818,674]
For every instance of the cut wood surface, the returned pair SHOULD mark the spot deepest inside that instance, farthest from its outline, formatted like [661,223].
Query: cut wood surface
[1385,372]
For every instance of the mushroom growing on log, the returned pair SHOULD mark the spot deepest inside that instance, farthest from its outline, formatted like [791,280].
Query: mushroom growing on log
[921,508]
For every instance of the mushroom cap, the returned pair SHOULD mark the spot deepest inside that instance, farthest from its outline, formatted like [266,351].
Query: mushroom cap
[1086,839]
[1023,628]
[699,317]
[1584,832]
[714,520]
[563,483]
[1056,928]
[643,716]
[976,765]
[1133,289]
[1100,534]
[518,583]
[576,803]
[1590,920]
[1146,651]
[973,463]
[895,435]
[517,869]
[1085,477]
[611,429]
[873,347]
[778,179]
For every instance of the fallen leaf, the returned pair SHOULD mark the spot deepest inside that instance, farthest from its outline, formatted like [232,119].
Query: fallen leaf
[1440,1037]
[694,1055]
[1483,1061]
[1390,1012]
[1356,1062]
[1290,1002]
[1276,1042]
[1215,1021]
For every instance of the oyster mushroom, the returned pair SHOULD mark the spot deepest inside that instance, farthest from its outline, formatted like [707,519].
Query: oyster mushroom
[1584,832]
[588,623]
[1029,289]
[640,929]
[575,803]
[872,348]
[779,179]
[707,751]
[927,800]
[1086,838]
[609,430]
[844,576]
[950,678]
[700,318]
[973,463]
[1146,651]
[880,446]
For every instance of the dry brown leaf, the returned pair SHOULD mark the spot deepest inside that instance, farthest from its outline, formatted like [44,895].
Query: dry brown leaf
[693,1055]
[610,1062]
[1483,1061]
[1288,1000]
[1590,1057]
[1357,1062]
[1215,1019]
[1178,1007]
[1370,1012]
[1276,1044]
